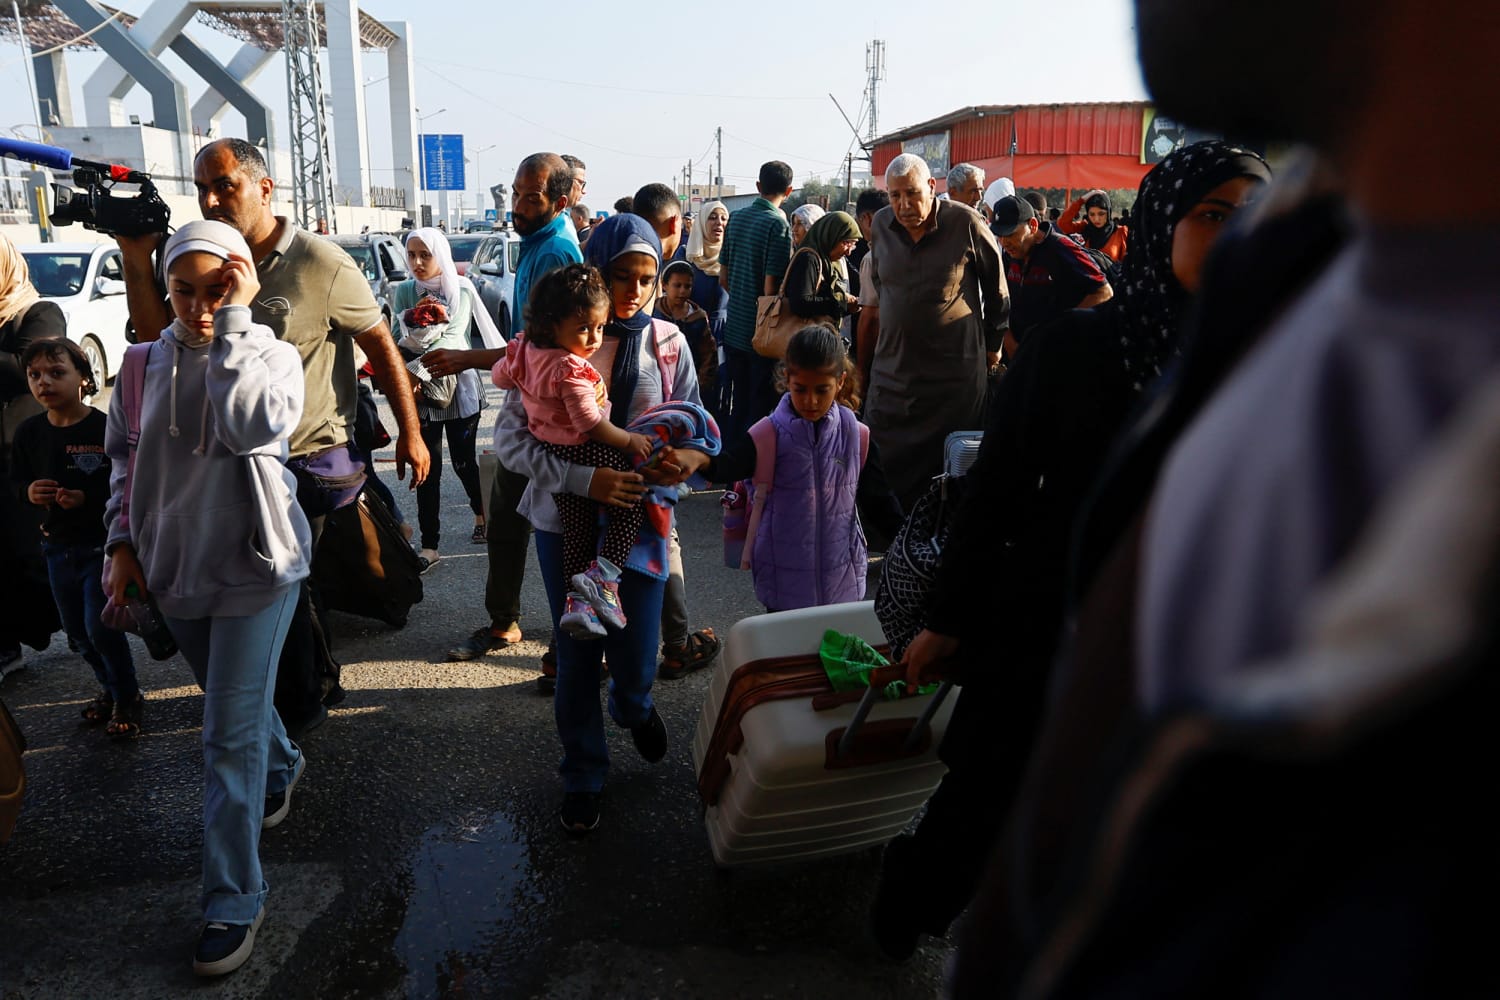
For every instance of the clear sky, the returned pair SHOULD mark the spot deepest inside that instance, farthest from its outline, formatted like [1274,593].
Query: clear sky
[637,96]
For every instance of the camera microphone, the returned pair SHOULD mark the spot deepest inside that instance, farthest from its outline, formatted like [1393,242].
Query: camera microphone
[35,152]
[62,159]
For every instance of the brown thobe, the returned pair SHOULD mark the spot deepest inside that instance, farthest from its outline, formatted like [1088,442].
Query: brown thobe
[943,305]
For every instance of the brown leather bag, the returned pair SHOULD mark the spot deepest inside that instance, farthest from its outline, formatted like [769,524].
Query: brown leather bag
[12,773]
[775,323]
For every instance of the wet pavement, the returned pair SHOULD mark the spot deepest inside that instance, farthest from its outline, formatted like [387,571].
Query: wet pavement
[422,857]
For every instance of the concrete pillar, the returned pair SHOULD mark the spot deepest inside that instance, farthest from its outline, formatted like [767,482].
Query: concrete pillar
[345,94]
[259,122]
[402,75]
[105,89]
[244,67]
[53,94]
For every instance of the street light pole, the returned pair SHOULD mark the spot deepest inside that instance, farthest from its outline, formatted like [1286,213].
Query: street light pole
[422,157]
[479,176]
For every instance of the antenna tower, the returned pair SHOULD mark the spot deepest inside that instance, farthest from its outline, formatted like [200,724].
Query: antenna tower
[874,73]
[312,181]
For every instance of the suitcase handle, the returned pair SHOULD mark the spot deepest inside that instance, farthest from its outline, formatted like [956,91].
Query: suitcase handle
[873,694]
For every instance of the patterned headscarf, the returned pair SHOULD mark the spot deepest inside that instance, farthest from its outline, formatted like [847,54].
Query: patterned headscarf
[1150,299]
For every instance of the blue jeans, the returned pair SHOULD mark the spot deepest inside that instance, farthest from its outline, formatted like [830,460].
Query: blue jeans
[632,668]
[246,753]
[75,571]
[752,389]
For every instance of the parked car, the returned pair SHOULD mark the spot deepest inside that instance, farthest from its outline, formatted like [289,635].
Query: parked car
[87,281]
[493,271]
[463,246]
[381,259]
[481,226]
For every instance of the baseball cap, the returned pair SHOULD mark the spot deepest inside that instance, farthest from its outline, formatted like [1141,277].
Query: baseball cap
[1011,213]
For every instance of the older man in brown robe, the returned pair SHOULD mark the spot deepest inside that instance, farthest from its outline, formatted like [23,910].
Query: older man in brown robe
[943,307]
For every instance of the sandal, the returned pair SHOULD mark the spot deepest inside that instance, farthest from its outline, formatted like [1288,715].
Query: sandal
[99,709]
[125,723]
[428,561]
[696,653]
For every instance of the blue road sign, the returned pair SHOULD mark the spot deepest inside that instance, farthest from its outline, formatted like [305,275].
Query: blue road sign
[443,162]
[490,215]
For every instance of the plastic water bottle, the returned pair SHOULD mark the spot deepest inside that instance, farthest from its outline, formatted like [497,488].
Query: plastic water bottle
[150,624]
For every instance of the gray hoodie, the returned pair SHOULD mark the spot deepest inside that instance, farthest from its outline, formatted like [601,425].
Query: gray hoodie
[214,517]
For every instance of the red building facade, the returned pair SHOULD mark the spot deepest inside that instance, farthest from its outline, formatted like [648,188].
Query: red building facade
[1070,146]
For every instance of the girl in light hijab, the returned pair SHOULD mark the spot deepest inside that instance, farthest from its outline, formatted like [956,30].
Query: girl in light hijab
[212,532]
[434,310]
[802,221]
[702,252]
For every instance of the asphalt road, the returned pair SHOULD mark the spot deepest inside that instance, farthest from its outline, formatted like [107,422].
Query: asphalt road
[422,857]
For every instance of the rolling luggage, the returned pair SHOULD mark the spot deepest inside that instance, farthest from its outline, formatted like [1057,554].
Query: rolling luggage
[364,566]
[779,771]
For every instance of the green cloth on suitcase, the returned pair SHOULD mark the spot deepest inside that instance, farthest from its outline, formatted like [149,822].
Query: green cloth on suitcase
[848,660]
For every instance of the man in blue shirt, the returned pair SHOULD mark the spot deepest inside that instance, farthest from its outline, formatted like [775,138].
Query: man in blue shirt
[539,212]
[541,193]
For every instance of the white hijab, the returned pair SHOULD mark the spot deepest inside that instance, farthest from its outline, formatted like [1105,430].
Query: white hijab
[449,284]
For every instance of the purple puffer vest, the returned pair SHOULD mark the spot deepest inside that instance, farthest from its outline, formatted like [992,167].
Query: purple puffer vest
[810,548]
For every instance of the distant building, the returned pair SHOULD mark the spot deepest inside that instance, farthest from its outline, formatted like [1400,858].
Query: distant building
[1074,147]
[694,196]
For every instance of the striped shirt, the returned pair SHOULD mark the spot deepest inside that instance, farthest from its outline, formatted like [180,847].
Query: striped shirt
[757,245]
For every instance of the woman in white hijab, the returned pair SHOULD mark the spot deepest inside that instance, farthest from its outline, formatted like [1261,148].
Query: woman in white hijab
[434,309]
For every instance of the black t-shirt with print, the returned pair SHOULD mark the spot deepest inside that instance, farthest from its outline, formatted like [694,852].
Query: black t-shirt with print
[74,457]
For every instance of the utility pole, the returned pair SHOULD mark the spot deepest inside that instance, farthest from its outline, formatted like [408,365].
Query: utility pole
[875,72]
[719,179]
[690,186]
[848,181]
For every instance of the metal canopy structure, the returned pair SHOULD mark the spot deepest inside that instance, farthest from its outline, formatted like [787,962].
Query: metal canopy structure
[260,23]
[256,22]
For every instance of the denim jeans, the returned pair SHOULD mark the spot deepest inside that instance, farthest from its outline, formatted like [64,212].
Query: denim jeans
[246,753]
[75,571]
[752,388]
[632,668]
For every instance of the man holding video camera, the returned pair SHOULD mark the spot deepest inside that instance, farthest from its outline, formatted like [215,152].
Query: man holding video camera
[313,297]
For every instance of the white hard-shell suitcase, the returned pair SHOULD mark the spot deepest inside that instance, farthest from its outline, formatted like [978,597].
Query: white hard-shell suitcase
[781,776]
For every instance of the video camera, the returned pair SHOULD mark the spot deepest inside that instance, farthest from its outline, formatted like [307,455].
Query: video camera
[92,204]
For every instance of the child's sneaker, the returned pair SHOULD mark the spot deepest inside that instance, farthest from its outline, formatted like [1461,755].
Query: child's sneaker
[600,584]
[578,618]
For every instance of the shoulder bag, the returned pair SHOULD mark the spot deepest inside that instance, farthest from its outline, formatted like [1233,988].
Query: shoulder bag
[775,323]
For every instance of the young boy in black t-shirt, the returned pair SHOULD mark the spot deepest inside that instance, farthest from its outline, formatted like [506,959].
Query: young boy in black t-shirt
[58,463]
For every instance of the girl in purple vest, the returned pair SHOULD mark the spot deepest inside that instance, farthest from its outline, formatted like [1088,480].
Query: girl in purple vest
[807,546]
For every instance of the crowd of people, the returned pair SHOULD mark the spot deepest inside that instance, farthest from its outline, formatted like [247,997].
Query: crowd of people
[1227,554]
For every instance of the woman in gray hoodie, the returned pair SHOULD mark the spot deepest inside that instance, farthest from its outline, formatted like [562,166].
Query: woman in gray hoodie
[210,529]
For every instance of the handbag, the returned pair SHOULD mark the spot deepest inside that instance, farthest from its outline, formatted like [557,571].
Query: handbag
[915,555]
[775,323]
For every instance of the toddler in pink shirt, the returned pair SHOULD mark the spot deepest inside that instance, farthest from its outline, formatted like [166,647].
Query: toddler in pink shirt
[567,409]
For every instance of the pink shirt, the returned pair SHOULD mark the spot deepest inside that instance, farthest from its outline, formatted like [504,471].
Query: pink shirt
[563,394]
